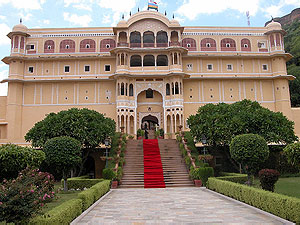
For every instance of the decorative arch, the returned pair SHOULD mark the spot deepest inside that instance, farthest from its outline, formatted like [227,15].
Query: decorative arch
[49,46]
[130,89]
[87,45]
[22,43]
[228,44]
[149,60]
[189,43]
[135,61]
[278,39]
[107,44]
[135,39]
[246,45]
[208,44]
[162,39]
[168,90]
[16,44]
[67,46]
[162,60]
[148,39]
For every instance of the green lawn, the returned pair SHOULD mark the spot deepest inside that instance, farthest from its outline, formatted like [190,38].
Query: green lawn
[287,186]
[61,197]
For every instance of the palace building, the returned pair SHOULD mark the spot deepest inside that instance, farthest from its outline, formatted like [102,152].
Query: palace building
[146,69]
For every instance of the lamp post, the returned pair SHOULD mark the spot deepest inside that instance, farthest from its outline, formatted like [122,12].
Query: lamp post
[107,143]
[204,141]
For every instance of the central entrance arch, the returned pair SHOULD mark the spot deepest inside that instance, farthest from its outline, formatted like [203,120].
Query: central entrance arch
[150,122]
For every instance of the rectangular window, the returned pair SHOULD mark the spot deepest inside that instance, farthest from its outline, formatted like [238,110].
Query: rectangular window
[189,67]
[229,67]
[265,67]
[262,44]
[209,67]
[30,69]
[149,93]
[31,47]
[67,69]
[107,68]
[86,68]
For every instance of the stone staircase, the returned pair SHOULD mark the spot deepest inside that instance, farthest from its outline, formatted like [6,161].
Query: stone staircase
[175,171]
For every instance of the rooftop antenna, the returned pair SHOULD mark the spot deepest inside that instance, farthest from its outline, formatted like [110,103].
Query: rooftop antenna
[173,16]
[123,17]
[21,20]
[165,13]
[138,9]
[248,18]
[130,13]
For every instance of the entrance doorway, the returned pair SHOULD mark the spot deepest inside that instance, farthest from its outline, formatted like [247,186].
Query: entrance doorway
[150,122]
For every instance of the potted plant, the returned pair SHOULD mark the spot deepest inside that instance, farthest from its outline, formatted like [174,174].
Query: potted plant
[194,174]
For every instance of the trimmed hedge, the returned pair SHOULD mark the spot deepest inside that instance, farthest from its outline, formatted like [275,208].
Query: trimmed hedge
[280,205]
[81,182]
[233,177]
[62,214]
[92,194]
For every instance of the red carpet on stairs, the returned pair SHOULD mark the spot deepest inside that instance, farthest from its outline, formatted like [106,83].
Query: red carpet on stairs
[153,171]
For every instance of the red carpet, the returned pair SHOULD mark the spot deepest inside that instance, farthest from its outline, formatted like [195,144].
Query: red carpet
[153,171]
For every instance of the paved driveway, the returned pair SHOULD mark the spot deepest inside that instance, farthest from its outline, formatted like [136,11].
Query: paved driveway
[172,206]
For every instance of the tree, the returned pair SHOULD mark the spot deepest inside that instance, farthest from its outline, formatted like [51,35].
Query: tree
[89,127]
[292,151]
[250,150]
[221,122]
[15,158]
[64,154]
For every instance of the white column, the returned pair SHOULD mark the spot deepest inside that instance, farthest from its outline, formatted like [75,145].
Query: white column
[180,121]
[128,124]
[175,123]
[119,129]
[172,127]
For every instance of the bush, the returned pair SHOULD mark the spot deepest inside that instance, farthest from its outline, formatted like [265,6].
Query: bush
[250,150]
[15,158]
[91,195]
[233,177]
[268,178]
[81,183]
[292,151]
[62,214]
[202,173]
[280,205]
[24,197]
[108,174]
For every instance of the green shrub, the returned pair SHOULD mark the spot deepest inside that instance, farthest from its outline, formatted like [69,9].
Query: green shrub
[161,132]
[62,214]
[268,178]
[202,173]
[233,177]
[108,174]
[81,183]
[188,161]
[92,194]
[292,151]
[15,158]
[280,205]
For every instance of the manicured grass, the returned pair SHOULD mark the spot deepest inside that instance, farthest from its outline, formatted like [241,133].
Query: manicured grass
[61,197]
[287,186]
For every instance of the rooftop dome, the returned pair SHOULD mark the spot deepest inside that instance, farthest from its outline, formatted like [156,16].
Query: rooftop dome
[20,28]
[274,26]
[122,23]
[174,22]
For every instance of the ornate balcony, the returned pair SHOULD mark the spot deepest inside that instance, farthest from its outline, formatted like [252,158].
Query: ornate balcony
[123,44]
[174,43]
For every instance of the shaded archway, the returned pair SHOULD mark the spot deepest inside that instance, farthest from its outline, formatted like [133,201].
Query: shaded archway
[151,122]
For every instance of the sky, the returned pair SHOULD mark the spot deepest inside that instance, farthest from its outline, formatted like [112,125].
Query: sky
[107,13]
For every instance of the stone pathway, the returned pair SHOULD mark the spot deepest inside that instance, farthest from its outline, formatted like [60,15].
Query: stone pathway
[172,206]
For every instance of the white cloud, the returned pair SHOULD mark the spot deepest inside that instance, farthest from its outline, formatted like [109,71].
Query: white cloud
[106,19]
[4,30]
[83,7]
[2,17]
[192,8]
[21,4]
[78,20]
[3,75]
[25,17]
[46,21]
[79,4]
[275,10]
[3,89]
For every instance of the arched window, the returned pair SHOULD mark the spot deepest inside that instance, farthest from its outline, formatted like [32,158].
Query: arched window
[162,60]
[208,44]
[16,42]
[135,39]
[162,39]
[173,89]
[22,43]
[122,38]
[49,46]
[148,39]
[126,89]
[122,89]
[277,40]
[67,46]
[167,89]
[245,45]
[107,44]
[149,60]
[135,61]
[130,89]
[189,43]
[174,37]
[175,58]
[122,59]
[228,44]
[118,89]
[176,88]
[87,45]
